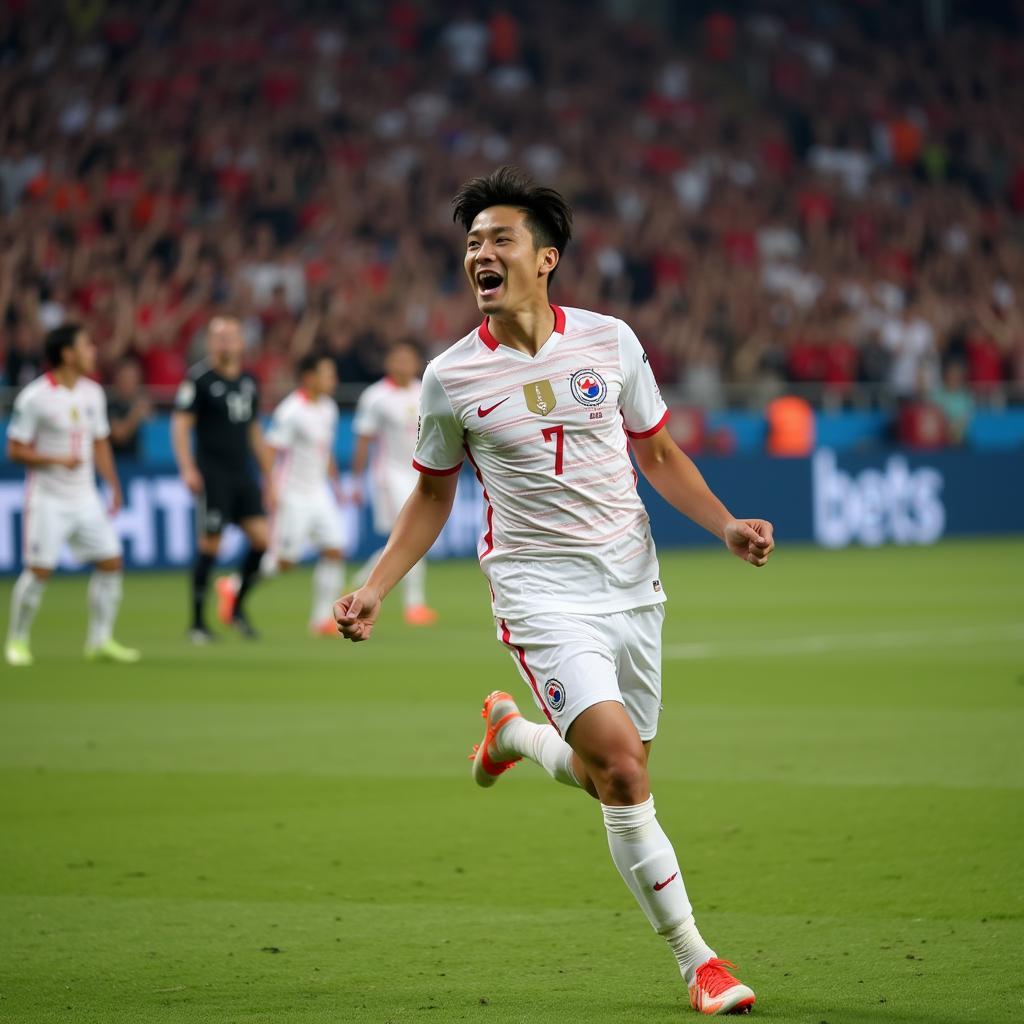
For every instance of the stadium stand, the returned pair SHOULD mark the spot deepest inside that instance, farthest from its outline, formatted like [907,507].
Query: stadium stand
[780,203]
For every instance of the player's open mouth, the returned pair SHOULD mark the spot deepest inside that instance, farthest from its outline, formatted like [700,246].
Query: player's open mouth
[488,283]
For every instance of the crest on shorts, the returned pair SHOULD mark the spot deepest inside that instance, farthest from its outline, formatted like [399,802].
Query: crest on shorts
[588,387]
[540,397]
[554,694]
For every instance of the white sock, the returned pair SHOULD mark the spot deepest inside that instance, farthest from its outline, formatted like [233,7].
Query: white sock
[268,565]
[414,591]
[542,744]
[104,601]
[25,599]
[645,859]
[327,575]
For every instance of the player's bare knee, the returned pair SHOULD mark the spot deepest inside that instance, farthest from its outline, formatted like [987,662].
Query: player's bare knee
[622,778]
[209,543]
[332,555]
[256,531]
[40,573]
[110,565]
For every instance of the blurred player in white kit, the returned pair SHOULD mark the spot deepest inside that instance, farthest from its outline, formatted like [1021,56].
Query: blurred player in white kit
[386,418]
[59,432]
[302,433]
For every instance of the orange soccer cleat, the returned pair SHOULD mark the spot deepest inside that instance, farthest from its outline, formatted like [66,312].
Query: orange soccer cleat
[227,592]
[714,991]
[420,615]
[325,627]
[499,709]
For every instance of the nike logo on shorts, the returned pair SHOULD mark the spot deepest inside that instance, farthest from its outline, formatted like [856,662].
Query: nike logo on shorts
[658,886]
[482,412]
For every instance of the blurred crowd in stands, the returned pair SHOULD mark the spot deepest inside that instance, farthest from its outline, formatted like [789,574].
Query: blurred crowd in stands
[774,195]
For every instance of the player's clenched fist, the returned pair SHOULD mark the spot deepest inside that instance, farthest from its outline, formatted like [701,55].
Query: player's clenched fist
[750,539]
[356,613]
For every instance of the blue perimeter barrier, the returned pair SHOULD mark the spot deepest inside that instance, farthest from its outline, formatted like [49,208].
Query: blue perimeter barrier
[834,499]
[849,431]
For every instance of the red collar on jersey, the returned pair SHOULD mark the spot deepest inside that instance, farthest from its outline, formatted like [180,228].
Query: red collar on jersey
[492,342]
[303,394]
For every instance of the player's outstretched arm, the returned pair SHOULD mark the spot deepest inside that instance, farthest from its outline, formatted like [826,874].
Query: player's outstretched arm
[419,523]
[674,476]
[103,457]
[181,442]
[265,456]
[360,460]
[26,455]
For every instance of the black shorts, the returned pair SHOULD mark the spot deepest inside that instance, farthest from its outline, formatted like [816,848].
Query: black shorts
[226,498]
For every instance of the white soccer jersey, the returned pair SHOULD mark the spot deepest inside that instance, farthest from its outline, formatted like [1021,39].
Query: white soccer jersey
[303,430]
[61,421]
[565,528]
[389,414]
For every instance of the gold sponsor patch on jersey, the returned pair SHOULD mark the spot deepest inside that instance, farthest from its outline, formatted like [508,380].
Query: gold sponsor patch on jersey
[540,397]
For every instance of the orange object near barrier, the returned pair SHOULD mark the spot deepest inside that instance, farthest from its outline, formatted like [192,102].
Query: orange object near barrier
[790,426]
[922,425]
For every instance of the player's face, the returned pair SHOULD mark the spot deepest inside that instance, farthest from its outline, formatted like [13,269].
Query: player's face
[325,377]
[403,364]
[83,354]
[505,268]
[226,343]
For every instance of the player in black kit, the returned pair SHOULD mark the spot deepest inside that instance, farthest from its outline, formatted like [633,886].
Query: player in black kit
[220,402]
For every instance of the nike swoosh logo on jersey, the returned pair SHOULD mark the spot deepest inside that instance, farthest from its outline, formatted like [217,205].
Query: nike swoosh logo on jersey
[658,886]
[482,412]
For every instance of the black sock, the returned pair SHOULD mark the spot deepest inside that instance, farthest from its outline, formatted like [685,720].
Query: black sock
[200,582]
[250,572]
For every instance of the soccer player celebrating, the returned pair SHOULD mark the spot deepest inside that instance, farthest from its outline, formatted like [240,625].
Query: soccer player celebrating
[545,402]
[386,417]
[302,433]
[220,402]
[59,431]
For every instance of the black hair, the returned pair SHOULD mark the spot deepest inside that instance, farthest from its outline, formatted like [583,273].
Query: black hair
[310,361]
[548,215]
[408,343]
[57,340]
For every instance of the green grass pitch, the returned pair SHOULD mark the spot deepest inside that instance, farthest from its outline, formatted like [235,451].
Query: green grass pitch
[288,831]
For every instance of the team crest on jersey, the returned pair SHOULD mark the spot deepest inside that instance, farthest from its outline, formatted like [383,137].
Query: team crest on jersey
[540,397]
[74,414]
[554,694]
[588,387]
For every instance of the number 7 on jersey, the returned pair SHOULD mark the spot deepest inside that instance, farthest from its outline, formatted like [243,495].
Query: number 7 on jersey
[558,433]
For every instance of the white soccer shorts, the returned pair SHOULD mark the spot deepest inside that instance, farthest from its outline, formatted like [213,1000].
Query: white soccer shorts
[305,520]
[390,493]
[571,662]
[84,525]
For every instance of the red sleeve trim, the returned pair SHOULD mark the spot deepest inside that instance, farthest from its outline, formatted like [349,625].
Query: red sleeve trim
[430,471]
[648,433]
